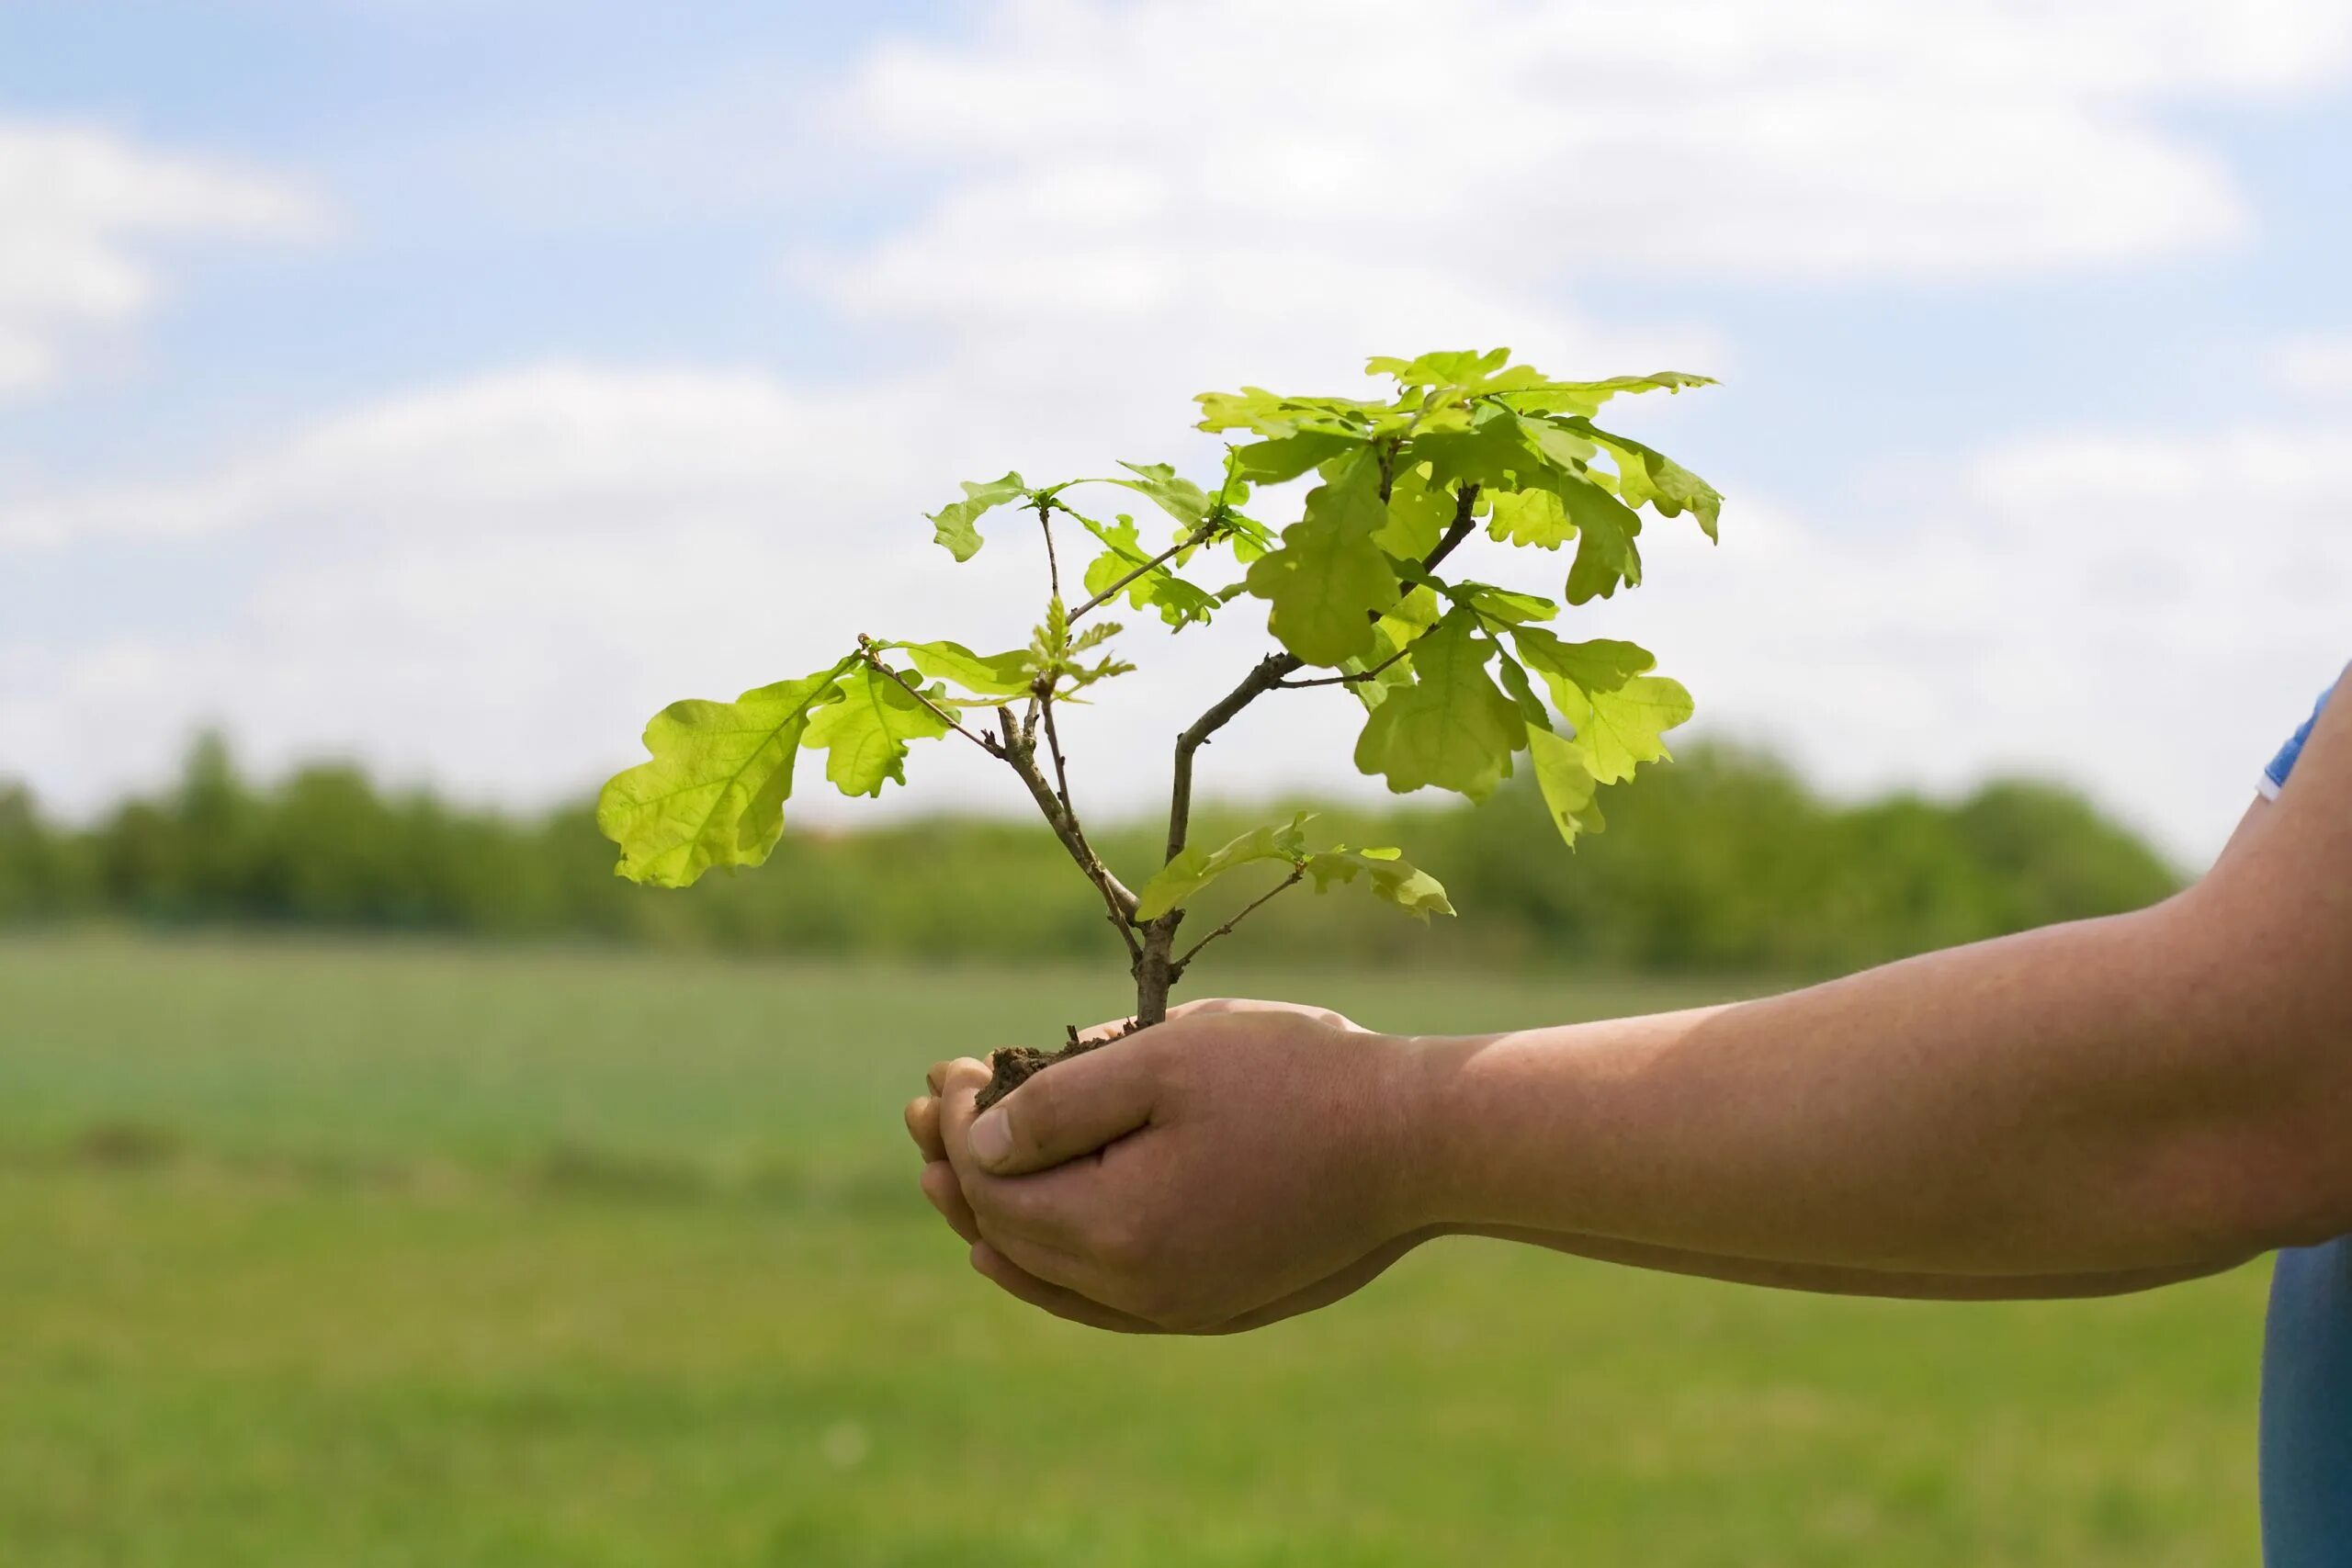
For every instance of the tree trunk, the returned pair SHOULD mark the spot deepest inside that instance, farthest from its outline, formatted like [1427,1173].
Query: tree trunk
[1156,971]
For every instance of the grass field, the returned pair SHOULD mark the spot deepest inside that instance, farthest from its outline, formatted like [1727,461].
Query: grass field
[406,1255]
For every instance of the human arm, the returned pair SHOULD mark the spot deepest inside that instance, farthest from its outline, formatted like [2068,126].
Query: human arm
[2150,1096]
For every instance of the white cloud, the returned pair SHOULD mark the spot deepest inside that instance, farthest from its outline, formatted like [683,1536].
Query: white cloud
[78,206]
[2146,614]
[2316,367]
[1119,157]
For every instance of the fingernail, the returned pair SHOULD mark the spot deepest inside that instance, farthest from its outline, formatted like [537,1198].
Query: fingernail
[992,1139]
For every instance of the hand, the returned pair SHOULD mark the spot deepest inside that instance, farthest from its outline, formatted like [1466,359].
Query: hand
[1238,1164]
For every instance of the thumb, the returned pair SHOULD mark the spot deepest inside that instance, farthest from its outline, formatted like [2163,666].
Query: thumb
[1071,1108]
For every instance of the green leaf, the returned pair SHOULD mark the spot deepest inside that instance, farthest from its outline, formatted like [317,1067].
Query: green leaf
[865,735]
[1181,879]
[1490,454]
[1619,711]
[1409,888]
[1451,727]
[1646,476]
[1504,604]
[1606,527]
[1254,408]
[1523,692]
[714,792]
[1586,397]
[956,526]
[1617,731]
[1418,514]
[1570,792]
[1283,459]
[1180,602]
[1178,497]
[1330,578]
[1599,666]
[992,675]
[1529,517]
[1459,372]
[1563,448]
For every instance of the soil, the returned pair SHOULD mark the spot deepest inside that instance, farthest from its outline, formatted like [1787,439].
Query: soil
[1016,1064]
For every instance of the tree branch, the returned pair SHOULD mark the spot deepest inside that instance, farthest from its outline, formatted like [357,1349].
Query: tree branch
[1273,671]
[1356,679]
[1463,499]
[1156,968]
[1021,754]
[1269,674]
[1196,537]
[1299,875]
[1054,745]
[865,651]
[1045,522]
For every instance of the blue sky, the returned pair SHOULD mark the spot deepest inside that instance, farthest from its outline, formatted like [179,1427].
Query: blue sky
[454,329]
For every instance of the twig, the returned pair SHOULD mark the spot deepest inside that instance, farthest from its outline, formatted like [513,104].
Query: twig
[1021,754]
[1054,745]
[1464,499]
[1045,522]
[865,651]
[1360,676]
[1298,873]
[1268,674]
[1196,537]
[1156,966]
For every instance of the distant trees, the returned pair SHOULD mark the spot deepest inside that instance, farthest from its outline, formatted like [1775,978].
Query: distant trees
[1725,860]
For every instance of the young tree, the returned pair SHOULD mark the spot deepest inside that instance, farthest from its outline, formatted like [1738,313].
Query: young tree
[1453,673]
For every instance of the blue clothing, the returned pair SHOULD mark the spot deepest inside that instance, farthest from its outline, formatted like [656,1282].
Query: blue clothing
[2307,1377]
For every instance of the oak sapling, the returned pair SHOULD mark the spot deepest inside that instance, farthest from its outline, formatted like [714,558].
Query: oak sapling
[1453,673]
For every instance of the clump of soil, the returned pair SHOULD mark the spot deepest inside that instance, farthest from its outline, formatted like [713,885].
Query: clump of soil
[1016,1064]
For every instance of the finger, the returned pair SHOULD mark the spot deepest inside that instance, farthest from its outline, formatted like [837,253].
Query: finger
[1060,1267]
[1073,1108]
[946,1195]
[1048,1209]
[1015,1280]
[922,1126]
[960,1084]
[937,1076]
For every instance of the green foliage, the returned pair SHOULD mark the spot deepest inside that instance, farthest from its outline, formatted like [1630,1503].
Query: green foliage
[1724,861]
[957,526]
[714,792]
[1330,580]
[1352,587]
[1384,872]
[997,675]
[1451,727]
[1195,868]
[864,729]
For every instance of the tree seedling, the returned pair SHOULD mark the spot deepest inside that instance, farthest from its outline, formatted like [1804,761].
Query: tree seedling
[1453,673]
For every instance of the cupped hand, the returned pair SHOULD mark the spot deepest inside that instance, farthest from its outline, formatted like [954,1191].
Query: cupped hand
[1241,1163]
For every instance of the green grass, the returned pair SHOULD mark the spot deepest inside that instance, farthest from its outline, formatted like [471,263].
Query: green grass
[393,1255]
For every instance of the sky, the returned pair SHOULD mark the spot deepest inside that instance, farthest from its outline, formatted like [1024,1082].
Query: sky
[448,386]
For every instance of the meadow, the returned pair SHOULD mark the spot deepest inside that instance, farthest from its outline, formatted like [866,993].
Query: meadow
[402,1254]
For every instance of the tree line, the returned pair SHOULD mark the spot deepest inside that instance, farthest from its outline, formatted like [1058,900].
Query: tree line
[1727,860]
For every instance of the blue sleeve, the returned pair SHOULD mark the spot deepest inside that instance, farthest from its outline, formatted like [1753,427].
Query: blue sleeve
[2274,777]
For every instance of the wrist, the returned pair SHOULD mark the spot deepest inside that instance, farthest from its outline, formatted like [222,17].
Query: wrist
[1425,1142]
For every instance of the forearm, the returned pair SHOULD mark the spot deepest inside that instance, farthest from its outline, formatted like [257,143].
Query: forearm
[2086,1100]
